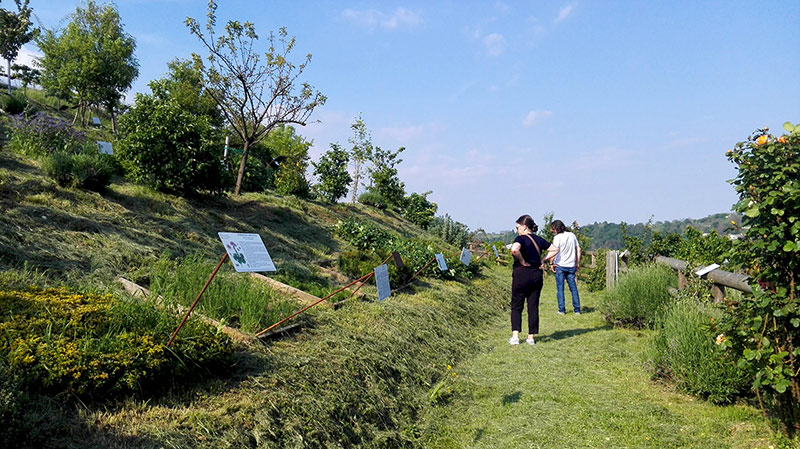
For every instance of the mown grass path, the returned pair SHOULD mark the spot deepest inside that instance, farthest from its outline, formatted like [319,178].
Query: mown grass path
[581,385]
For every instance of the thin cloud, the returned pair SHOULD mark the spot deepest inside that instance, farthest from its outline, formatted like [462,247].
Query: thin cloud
[372,18]
[535,116]
[495,44]
[402,134]
[565,12]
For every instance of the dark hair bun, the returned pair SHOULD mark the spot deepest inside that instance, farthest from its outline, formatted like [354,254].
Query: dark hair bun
[528,222]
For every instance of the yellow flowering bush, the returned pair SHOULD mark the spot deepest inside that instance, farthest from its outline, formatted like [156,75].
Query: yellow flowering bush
[56,340]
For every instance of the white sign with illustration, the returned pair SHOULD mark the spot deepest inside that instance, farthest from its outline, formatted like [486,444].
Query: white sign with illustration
[247,252]
[441,262]
[466,256]
[382,281]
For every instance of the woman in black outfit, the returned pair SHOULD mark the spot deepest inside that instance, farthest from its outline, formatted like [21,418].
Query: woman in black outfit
[526,280]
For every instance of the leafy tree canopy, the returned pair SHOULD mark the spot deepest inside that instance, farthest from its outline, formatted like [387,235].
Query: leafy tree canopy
[331,171]
[16,30]
[255,92]
[91,61]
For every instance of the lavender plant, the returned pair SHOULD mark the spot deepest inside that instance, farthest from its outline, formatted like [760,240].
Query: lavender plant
[41,134]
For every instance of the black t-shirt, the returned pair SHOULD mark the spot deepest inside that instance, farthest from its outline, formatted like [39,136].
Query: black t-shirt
[529,252]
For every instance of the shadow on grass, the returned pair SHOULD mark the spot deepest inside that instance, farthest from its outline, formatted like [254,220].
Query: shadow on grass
[478,434]
[560,335]
[512,398]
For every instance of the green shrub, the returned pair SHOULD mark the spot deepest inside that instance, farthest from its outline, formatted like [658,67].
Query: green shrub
[355,263]
[233,298]
[640,298]
[765,328]
[686,351]
[13,104]
[331,170]
[88,169]
[171,149]
[595,278]
[451,231]
[364,236]
[291,180]
[56,341]
[373,199]
[418,210]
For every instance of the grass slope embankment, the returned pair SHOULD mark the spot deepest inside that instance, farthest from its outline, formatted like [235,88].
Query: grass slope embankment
[355,377]
[581,385]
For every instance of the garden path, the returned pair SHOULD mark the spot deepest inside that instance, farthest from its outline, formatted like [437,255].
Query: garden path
[582,385]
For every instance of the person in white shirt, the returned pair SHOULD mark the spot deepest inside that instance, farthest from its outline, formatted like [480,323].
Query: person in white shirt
[566,265]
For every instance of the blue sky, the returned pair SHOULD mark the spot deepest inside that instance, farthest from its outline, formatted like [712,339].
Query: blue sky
[594,110]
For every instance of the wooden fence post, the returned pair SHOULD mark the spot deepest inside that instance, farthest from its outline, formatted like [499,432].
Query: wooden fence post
[718,292]
[681,280]
[612,269]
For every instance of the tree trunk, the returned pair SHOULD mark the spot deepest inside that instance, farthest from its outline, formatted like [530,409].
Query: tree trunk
[240,177]
[8,73]
[356,176]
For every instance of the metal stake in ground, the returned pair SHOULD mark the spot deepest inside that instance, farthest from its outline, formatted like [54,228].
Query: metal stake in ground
[366,276]
[189,312]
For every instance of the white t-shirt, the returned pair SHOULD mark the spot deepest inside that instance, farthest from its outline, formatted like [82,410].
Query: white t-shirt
[568,247]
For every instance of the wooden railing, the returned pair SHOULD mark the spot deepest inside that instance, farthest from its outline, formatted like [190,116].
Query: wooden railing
[719,278]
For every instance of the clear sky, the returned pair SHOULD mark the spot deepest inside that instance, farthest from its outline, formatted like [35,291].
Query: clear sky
[594,110]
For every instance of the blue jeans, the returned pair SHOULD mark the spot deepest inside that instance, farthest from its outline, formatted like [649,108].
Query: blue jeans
[569,273]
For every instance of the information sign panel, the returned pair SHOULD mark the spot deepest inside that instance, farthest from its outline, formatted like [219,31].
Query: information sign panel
[496,254]
[247,252]
[441,262]
[466,256]
[398,261]
[104,147]
[382,281]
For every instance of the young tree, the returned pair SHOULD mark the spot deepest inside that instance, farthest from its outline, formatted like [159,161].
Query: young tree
[360,153]
[331,170]
[91,61]
[383,177]
[255,93]
[419,210]
[26,75]
[291,150]
[15,31]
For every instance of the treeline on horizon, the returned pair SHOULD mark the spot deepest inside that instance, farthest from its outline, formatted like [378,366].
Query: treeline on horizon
[609,235]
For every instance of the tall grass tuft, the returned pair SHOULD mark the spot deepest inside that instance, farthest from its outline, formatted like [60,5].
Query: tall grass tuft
[685,350]
[641,298]
[233,298]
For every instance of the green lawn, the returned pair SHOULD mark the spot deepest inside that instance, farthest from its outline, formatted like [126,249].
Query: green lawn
[581,385]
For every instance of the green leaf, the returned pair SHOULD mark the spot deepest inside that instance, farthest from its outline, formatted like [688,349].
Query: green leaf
[781,385]
[788,127]
[749,354]
[752,212]
[789,247]
[795,322]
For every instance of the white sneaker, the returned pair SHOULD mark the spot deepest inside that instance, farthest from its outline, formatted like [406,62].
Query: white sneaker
[530,341]
[513,341]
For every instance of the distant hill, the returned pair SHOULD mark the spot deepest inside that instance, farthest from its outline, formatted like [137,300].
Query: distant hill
[609,235]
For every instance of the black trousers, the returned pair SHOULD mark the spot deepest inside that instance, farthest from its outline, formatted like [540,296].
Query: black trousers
[526,285]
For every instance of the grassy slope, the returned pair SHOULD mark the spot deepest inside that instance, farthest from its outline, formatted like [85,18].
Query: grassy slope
[75,233]
[581,385]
